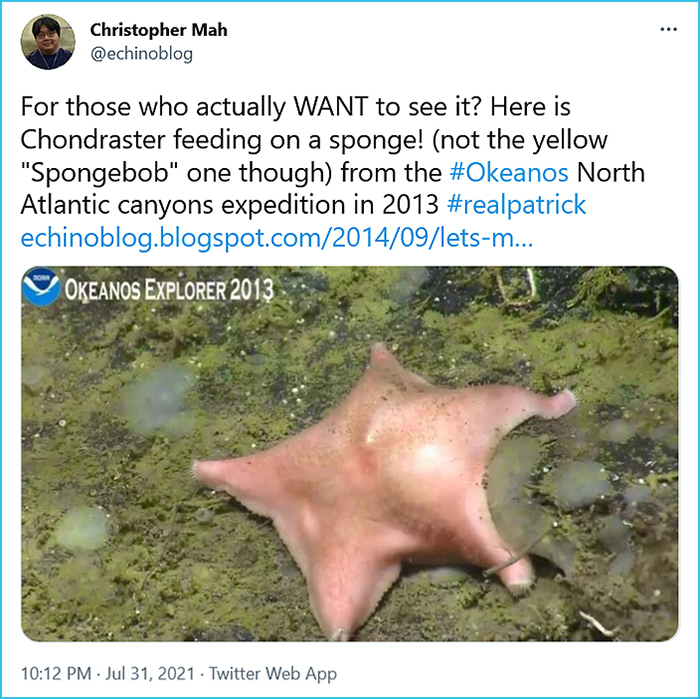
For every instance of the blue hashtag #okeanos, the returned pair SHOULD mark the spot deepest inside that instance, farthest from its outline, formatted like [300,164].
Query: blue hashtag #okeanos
[457,171]
[454,203]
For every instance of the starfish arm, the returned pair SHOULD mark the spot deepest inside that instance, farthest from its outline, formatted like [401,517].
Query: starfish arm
[385,369]
[242,478]
[346,584]
[266,481]
[482,545]
[508,407]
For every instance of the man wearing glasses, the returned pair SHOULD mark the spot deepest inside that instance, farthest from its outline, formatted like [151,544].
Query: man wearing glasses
[49,55]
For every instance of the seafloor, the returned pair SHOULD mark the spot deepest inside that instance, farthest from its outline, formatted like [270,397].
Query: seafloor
[120,396]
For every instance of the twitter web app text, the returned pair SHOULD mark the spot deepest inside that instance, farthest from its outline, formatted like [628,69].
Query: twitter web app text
[512,136]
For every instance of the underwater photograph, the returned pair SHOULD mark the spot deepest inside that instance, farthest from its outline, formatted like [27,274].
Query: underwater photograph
[350,453]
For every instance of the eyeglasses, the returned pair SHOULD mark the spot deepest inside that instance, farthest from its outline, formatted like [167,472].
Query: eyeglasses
[50,35]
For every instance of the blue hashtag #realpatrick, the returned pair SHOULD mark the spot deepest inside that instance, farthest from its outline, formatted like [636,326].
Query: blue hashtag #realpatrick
[457,171]
[454,203]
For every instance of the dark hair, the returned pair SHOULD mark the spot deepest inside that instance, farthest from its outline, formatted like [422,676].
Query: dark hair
[51,24]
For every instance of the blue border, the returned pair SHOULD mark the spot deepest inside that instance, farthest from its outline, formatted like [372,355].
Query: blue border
[3,2]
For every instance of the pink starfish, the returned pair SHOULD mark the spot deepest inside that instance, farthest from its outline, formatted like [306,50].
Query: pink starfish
[395,473]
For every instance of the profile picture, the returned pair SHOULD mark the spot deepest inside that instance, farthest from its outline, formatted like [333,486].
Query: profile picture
[48,42]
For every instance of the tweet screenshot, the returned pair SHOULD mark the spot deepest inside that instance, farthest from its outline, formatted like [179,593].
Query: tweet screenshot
[348,346]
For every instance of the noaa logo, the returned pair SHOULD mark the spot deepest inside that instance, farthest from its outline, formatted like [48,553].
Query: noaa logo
[41,286]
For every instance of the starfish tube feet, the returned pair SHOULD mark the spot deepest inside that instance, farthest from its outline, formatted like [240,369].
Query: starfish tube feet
[518,577]
[558,405]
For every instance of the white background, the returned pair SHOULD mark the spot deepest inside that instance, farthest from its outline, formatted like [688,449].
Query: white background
[623,77]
